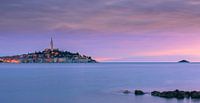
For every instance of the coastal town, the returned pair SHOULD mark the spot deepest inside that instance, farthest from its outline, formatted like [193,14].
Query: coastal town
[49,55]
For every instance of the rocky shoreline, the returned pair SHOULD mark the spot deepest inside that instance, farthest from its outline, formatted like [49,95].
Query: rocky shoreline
[178,94]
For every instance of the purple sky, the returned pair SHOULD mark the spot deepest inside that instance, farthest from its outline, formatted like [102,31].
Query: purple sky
[107,30]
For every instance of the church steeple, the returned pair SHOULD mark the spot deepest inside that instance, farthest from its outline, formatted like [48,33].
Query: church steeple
[51,44]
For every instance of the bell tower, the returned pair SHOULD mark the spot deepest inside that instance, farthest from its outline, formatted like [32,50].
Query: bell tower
[51,44]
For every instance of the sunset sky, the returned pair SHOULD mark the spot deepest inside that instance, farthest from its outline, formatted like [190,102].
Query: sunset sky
[107,30]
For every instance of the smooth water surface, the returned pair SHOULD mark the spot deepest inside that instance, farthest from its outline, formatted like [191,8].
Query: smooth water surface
[95,83]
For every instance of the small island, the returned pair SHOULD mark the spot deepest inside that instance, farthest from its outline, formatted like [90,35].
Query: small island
[183,61]
[48,56]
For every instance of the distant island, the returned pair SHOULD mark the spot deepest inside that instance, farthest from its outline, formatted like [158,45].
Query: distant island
[184,61]
[48,56]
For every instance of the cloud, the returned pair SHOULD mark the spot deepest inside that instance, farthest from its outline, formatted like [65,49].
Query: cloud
[111,28]
[194,2]
[122,16]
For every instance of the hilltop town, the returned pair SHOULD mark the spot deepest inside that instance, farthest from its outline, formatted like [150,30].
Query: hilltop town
[48,56]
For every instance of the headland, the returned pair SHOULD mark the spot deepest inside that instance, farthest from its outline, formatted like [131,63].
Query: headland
[49,55]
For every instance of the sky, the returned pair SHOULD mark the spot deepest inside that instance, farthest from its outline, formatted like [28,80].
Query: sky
[107,30]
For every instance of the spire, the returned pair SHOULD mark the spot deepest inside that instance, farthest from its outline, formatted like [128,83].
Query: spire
[51,44]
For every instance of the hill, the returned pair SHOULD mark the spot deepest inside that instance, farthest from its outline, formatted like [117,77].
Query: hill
[48,56]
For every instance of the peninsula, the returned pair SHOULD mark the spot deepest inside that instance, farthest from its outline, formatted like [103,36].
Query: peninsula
[48,56]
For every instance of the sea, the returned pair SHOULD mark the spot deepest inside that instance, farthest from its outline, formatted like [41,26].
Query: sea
[95,82]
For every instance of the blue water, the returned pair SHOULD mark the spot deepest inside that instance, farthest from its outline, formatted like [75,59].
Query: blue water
[94,83]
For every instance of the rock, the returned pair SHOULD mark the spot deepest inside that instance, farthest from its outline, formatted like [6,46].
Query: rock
[139,92]
[167,94]
[155,93]
[179,94]
[184,61]
[187,94]
[171,94]
[126,92]
[195,95]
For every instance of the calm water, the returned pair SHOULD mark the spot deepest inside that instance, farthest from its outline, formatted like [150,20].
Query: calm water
[94,83]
